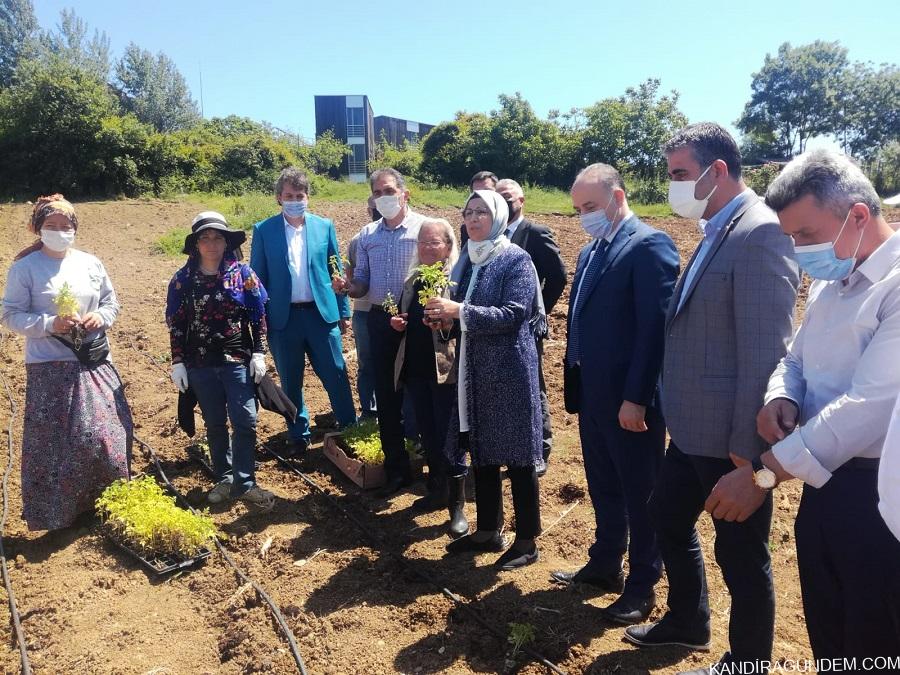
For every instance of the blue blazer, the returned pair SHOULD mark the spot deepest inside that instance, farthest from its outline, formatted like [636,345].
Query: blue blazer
[269,259]
[622,318]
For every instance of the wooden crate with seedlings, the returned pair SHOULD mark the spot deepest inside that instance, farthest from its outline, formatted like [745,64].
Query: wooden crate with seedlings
[357,452]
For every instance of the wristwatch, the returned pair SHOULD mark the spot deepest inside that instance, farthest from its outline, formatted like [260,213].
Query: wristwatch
[763,476]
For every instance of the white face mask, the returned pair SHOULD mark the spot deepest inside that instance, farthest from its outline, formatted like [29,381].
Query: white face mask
[682,199]
[388,206]
[56,240]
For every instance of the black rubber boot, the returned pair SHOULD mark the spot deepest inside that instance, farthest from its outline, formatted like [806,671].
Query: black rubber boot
[457,506]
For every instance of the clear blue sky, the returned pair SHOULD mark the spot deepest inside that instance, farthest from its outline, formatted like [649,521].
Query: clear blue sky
[267,60]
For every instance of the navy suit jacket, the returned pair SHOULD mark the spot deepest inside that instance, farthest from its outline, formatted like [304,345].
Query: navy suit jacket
[269,259]
[622,320]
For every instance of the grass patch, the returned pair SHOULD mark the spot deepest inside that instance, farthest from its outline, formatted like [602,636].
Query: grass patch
[245,210]
[172,242]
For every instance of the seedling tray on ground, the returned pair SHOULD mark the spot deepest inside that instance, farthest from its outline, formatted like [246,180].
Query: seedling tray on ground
[367,476]
[161,564]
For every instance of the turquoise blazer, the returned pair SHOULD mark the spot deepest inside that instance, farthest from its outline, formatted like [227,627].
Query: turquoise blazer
[269,259]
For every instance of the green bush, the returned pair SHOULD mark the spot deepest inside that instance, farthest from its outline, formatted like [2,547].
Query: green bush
[758,178]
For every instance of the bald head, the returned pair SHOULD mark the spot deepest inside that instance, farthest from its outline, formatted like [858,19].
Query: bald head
[599,187]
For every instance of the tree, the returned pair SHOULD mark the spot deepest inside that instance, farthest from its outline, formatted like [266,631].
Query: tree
[794,94]
[447,150]
[154,90]
[325,155]
[867,114]
[407,159]
[17,26]
[57,133]
[627,132]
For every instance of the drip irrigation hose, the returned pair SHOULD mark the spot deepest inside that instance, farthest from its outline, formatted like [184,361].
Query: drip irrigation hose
[279,617]
[13,611]
[408,565]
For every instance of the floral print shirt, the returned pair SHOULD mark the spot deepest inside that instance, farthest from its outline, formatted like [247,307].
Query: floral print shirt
[211,329]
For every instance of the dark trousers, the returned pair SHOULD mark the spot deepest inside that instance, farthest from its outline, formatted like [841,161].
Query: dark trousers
[432,403]
[741,549]
[385,342]
[849,568]
[526,500]
[547,429]
[622,468]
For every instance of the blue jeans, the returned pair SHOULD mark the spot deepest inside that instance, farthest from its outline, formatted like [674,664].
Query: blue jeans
[226,392]
[365,373]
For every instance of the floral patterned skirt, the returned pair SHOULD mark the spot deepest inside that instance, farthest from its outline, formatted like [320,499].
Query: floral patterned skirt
[76,439]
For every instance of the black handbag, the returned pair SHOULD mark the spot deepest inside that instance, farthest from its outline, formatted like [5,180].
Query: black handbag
[89,353]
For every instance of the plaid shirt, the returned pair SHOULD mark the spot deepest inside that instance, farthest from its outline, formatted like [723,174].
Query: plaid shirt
[383,256]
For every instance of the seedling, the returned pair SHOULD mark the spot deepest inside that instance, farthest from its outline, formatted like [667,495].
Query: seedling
[520,634]
[390,305]
[67,304]
[337,265]
[365,442]
[434,281]
[141,515]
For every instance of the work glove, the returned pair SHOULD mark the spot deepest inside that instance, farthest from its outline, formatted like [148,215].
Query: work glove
[179,377]
[257,367]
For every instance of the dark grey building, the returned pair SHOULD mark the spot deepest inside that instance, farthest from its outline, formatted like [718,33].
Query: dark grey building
[350,118]
[396,130]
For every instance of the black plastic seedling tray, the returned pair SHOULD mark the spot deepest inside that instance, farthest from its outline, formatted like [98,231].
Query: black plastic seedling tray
[162,564]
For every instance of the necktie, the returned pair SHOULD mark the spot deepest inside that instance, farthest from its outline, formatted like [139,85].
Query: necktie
[573,354]
[506,233]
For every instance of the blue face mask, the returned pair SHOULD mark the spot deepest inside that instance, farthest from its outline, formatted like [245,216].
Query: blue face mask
[293,209]
[597,223]
[821,262]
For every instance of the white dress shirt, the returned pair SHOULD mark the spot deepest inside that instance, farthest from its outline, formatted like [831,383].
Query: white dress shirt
[889,475]
[511,228]
[843,369]
[298,263]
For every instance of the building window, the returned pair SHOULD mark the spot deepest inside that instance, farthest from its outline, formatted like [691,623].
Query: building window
[356,162]
[356,122]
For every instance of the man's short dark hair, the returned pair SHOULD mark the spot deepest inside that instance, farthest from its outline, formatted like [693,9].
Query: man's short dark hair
[483,175]
[295,178]
[708,142]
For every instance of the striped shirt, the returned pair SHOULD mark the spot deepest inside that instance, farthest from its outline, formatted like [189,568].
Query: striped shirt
[383,256]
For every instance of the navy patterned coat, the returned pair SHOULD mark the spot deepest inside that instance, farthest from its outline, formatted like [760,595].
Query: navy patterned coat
[501,366]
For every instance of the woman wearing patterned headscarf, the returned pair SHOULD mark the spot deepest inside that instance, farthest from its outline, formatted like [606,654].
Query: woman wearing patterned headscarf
[215,311]
[497,416]
[77,432]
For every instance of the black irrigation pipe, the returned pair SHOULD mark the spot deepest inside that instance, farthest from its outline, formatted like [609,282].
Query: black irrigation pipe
[408,564]
[16,620]
[279,617]
[405,562]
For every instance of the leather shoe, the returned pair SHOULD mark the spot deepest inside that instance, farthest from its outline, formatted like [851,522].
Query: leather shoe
[466,543]
[663,633]
[394,484]
[609,583]
[629,609]
[296,448]
[515,558]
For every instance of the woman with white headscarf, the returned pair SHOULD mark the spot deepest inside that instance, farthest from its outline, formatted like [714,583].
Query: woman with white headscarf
[497,412]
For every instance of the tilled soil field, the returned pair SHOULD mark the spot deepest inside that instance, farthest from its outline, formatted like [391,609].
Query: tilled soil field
[353,603]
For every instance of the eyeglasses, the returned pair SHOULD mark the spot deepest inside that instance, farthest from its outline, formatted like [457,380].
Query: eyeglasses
[476,213]
[432,244]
